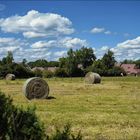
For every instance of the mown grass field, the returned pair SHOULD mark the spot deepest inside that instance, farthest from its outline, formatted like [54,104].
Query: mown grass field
[106,111]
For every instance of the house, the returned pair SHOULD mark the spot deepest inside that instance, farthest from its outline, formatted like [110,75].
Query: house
[52,69]
[130,69]
[38,68]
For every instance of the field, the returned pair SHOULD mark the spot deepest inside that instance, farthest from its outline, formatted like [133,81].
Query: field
[106,111]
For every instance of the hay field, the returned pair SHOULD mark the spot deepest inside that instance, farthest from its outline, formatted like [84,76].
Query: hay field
[106,111]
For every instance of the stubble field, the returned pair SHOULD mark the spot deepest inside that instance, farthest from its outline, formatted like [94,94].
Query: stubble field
[106,111]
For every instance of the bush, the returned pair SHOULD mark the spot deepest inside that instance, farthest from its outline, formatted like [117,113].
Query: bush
[6,109]
[115,71]
[18,124]
[38,73]
[18,70]
[48,74]
[61,72]
[22,72]
[26,125]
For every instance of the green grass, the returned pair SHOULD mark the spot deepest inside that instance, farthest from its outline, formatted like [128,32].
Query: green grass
[110,110]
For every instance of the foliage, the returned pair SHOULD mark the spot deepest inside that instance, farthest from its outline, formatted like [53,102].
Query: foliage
[8,59]
[85,56]
[53,64]
[137,62]
[108,60]
[65,134]
[48,74]
[16,123]
[106,66]
[6,108]
[38,73]
[22,72]
[43,63]
[61,72]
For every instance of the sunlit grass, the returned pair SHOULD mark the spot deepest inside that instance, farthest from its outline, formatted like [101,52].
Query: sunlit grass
[110,110]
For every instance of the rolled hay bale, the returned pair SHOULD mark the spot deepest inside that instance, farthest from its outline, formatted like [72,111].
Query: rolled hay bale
[10,77]
[36,88]
[92,78]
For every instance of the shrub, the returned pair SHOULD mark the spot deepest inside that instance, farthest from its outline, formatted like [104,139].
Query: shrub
[18,70]
[26,125]
[38,73]
[48,74]
[18,124]
[61,72]
[6,109]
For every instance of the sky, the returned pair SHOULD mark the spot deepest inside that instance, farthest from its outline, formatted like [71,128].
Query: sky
[48,29]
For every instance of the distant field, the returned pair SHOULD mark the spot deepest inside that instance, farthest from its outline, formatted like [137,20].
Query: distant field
[106,111]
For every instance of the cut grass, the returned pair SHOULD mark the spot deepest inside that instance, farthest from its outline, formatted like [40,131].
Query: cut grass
[110,110]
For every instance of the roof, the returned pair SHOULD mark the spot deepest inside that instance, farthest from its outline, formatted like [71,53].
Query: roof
[130,68]
[37,68]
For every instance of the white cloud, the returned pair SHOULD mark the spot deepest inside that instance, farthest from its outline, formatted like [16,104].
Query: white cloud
[129,49]
[60,53]
[10,44]
[104,48]
[97,30]
[66,42]
[107,32]
[36,24]
[69,42]
[130,44]
[42,44]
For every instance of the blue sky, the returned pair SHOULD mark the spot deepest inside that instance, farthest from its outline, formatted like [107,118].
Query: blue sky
[40,29]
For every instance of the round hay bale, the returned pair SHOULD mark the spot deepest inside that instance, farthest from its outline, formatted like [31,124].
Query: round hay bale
[10,76]
[36,88]
[92,78]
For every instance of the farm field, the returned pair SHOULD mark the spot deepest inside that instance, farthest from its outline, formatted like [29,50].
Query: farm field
[106,111]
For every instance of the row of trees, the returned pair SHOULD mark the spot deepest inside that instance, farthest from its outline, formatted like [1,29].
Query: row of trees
[76,63]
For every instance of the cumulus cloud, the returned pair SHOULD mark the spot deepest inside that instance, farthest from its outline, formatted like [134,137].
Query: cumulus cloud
[130,44]
[10,44]
[36,24]
[67,42]
[129,49]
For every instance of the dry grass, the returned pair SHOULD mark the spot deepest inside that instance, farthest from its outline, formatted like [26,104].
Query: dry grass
[110,110]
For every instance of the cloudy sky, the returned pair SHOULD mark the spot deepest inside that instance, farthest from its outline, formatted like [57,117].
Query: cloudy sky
[46,30]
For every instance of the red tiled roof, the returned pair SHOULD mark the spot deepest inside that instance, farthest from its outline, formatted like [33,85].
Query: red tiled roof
[130,68]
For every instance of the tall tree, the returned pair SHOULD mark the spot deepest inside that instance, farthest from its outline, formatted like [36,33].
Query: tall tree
[71,62]
[8,59]
[85,56]
[108,60]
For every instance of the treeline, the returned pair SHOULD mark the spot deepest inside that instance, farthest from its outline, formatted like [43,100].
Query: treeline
[76,64]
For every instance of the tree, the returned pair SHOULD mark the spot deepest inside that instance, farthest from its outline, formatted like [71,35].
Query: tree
[8,59]
[108,60]
[38,63]
[137,62]
[71,62]
[24,61]
[85,56]
[62,62]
